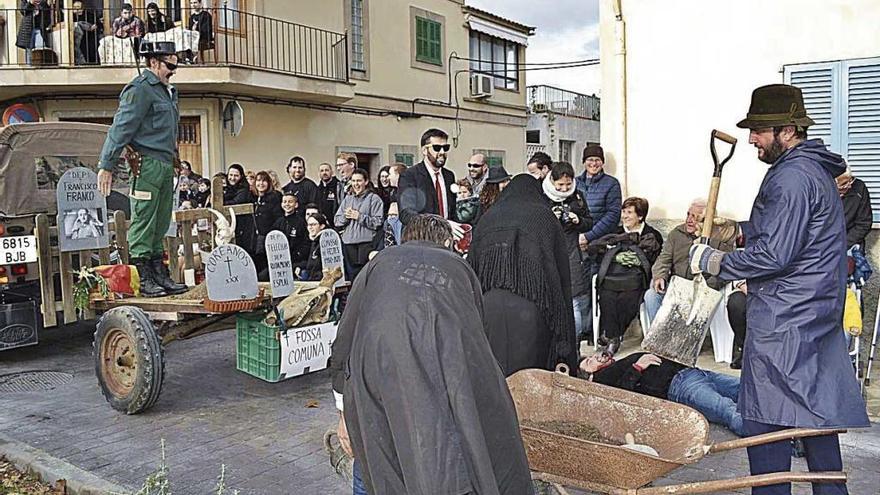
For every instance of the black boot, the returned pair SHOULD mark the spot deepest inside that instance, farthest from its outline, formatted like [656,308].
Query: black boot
[614,345]
[149,287]
[737,361]
[163,277]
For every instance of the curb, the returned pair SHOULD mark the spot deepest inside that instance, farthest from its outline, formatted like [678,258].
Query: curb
[50,469]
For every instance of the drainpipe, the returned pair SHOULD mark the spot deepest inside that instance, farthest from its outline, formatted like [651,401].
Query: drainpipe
[620,89]
[222,139]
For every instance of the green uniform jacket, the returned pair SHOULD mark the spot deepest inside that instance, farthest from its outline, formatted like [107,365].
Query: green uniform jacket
[147,119]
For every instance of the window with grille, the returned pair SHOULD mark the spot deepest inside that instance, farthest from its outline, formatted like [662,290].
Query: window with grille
[404,154]
[429,41]
[496,57]
[494,158]
[357,36]
[843,98]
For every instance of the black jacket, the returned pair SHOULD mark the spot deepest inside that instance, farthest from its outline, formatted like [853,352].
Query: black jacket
[312,267]
[204,25]
[857,214]
[577,206]
[294,227]
[327,199]
[653,380]
[305,191]
[267,209]
[416,193]
[29,21]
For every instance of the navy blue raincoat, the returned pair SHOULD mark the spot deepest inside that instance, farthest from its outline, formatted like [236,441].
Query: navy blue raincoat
[796,371]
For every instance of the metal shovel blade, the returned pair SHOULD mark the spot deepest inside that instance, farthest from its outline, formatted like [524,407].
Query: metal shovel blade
[678,330]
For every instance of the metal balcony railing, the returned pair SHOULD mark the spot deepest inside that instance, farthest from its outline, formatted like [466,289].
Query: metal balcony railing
[560,101]
[94,38]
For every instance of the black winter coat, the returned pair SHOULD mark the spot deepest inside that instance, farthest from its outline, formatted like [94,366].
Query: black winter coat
[857,214]
[294,227]
[29,22]
[578,207]
[267,210]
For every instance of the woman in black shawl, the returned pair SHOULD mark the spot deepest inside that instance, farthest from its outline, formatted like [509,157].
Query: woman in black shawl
[519,254]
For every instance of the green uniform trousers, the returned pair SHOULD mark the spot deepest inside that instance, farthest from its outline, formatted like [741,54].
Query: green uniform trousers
[152,200]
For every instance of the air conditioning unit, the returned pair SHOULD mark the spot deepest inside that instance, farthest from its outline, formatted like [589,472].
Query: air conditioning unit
[482,86]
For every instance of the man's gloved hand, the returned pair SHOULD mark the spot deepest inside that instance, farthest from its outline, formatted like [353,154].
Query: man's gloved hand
[457,231]
[724,229]
[704,258]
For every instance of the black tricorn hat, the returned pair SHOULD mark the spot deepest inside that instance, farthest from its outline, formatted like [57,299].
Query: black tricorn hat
[497,175]
[150,48]
[776,105]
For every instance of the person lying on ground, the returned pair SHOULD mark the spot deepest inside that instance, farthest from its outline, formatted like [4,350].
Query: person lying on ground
[712,394]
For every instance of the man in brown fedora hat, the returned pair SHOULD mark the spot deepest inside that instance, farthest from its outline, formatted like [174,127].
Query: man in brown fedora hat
[796,372]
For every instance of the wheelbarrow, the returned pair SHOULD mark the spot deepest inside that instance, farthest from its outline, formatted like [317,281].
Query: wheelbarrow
[679,435]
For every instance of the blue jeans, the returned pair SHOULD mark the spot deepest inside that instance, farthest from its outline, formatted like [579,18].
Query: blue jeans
[583,321]
[823,454]
[37,41]
[653,301]
[712,394]
[357,483]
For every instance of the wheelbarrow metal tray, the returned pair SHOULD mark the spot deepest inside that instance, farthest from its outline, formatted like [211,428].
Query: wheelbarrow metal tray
[677,432]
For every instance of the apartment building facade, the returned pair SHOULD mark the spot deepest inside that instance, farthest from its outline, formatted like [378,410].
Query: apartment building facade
[310,78]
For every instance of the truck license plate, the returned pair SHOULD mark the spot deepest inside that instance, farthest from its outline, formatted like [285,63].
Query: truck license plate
[18,249]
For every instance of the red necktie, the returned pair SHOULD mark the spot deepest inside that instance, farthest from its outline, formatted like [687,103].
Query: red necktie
[439,189]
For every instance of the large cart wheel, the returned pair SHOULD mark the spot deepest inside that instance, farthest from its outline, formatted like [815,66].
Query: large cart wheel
[129,359]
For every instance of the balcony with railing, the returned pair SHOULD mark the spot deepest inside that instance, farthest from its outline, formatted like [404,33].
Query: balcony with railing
[562,102]
[92,51]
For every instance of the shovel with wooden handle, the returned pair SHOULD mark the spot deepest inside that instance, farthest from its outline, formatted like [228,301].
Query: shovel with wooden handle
[709,220]
[680,326]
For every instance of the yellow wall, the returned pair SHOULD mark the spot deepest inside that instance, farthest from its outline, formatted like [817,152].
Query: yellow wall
[691,67]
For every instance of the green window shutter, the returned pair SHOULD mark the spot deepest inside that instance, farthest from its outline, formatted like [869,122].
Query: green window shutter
[404,158]
[428,41]
[494,161]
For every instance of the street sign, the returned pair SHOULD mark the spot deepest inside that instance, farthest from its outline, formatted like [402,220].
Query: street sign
[233,118]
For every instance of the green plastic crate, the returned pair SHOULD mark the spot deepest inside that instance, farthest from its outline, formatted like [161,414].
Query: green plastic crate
[258,350]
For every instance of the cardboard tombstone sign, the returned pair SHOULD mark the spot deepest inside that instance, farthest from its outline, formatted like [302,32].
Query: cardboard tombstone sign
[230,274]
[331,253]
[280,265]
[82,211]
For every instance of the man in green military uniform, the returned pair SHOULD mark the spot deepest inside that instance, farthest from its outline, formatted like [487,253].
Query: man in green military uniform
[146,122]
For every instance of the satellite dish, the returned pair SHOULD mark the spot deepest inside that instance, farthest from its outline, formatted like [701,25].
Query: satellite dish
[233,118]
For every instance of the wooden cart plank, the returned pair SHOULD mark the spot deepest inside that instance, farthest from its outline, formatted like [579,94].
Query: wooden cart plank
[121,230]
[85,260]
[66,273]
[47,281]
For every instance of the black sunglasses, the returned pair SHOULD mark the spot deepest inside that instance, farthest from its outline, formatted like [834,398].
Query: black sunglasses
[439,147]
[171,67]
[475,165]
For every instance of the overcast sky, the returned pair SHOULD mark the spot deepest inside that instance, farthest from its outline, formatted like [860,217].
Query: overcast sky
[565,30]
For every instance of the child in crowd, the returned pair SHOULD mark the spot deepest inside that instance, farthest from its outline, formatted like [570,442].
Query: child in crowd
[202,196]
[294,227]
[467,205]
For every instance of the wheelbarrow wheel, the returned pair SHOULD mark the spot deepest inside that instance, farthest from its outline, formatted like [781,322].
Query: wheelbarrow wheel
[129,359]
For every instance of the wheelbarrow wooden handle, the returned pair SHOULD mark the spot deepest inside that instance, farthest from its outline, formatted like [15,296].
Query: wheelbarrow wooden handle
[741,482]
[776,436]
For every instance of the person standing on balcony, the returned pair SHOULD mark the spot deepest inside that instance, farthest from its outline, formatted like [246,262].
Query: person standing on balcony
[201,21]
[88,29]
[146,122]
[128,25]
[156,21]
[34,30]
[300,186]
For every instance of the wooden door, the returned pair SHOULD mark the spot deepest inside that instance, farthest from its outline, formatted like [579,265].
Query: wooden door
[189,142]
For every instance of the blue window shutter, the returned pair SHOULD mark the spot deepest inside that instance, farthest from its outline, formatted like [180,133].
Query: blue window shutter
[820,85]
[862,131]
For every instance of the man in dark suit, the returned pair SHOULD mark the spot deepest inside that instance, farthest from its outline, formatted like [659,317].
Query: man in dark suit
[426,187]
